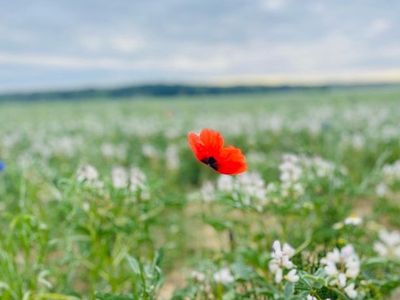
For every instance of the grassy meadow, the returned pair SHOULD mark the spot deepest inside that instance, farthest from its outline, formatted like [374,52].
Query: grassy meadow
[103,199]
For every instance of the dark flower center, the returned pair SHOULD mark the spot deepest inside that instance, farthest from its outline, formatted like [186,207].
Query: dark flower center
[210,161]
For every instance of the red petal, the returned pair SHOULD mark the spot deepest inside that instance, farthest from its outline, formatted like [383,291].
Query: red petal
[231,161]
[208,144]
[197,146]
[213,140]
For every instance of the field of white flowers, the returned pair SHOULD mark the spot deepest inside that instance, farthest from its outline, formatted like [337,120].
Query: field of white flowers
[104,199]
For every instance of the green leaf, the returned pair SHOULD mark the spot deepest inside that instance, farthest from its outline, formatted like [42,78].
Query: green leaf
[289,290]
[133,264]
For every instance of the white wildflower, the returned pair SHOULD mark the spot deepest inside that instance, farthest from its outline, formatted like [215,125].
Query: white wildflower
[292,276]
[341,265]
[172,157]
[290,176]
[149,151]
[353,220]
[391,172]
[320,168]
[137,183]
[66,146]
[89,175]
[381,189]
[109,150]
[251,186]
[198,276]
[290,169]
[350,291]
[225,183]
[224,276]
[281,260]
[119,177]
[388,244]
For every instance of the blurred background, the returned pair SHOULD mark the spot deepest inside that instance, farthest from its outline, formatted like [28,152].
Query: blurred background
[58,45]
[101,197]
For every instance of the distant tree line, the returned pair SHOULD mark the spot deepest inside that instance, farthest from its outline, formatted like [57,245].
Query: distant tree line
[165,90]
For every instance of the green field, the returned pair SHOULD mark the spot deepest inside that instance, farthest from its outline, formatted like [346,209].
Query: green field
[103,199]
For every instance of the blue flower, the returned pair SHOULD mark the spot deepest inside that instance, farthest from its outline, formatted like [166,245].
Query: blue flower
[2,166]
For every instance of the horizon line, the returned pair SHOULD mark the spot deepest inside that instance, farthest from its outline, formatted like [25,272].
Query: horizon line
[227,85]
[368,77]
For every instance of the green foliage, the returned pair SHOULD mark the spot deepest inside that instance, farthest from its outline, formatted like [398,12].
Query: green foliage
[147,221]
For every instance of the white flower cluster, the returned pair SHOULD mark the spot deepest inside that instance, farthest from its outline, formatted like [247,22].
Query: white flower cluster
[198,276]
[249,188]
[355,141]
[280,261]
[111,151]
[319,167]
[225,183]
[290,176]
[351,220]
[150,151]
[391,172]
[342,265]
[88,174]
[223,276]
[65,145]
[47,147]
[137,180]
[134,179]
[388,244]
[298,171]
[119,177]
[172,157]
[390,175]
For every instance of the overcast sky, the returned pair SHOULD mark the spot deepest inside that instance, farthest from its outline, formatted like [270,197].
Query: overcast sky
[79,43]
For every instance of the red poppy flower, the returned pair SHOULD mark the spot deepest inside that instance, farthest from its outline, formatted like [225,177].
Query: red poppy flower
[208,147]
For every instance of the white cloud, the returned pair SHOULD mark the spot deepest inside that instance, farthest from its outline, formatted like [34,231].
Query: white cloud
[348,76]
[121,43]
[378,27]
[176,62]
[278,38]
[59,61]
[332,53]
[127,44]
[90,43]
[273,5]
